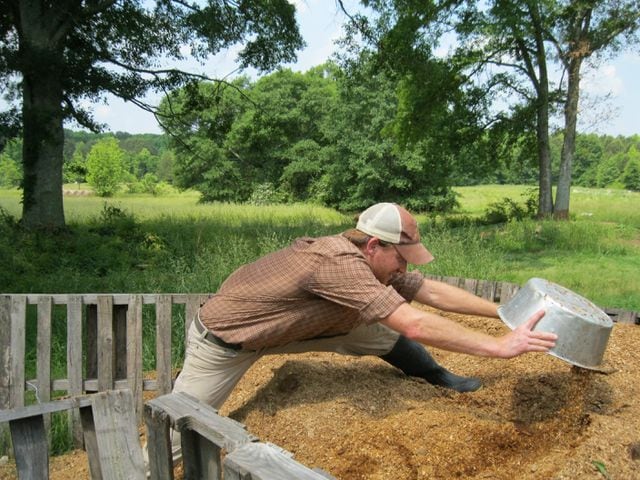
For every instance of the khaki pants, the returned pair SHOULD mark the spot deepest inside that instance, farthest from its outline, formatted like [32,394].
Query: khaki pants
[210,372]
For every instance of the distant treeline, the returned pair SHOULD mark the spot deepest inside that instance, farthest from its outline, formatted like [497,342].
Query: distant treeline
[149,163]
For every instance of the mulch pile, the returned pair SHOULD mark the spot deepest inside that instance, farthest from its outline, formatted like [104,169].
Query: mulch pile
[536,417]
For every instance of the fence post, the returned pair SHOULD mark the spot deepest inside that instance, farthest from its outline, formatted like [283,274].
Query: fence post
[163,343]
[74,363]
[5,355]
[43,355]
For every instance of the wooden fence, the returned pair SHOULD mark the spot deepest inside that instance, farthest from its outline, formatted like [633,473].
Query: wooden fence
[104,341]
[114,451]
[104,345]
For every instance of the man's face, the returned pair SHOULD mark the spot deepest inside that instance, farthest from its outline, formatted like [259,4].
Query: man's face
[385,261]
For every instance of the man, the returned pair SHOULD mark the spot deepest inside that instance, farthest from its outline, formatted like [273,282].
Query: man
[347,293]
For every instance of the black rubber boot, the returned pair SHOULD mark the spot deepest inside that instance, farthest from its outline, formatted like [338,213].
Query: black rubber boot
[414,360]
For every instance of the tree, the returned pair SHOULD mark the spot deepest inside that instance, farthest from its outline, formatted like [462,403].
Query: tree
[105,167]
[631,174]
[516,45]
[585,28]
[75,170]
[56,55]
[10,164]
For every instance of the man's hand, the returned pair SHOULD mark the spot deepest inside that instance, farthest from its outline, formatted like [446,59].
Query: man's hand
[523,339]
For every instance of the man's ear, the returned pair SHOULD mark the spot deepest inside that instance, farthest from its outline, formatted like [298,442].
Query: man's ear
[372,245]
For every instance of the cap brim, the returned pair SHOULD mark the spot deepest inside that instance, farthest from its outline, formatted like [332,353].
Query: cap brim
[414,253]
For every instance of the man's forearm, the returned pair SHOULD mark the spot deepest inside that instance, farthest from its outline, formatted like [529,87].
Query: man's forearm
[453,299]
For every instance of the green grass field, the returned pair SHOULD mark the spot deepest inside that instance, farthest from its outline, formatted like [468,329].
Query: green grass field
[137,243]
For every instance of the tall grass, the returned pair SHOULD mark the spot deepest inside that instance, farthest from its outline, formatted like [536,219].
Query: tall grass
[137,243]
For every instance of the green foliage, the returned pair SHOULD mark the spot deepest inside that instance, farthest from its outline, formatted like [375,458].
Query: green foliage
[508,210]
[631,175]
[11,164]
[264,194]
[10,172]
[105,167]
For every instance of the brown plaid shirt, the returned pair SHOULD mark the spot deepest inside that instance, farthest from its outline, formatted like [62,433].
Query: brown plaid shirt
[316,287]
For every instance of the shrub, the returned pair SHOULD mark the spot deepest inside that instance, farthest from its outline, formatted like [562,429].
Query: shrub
[507,209]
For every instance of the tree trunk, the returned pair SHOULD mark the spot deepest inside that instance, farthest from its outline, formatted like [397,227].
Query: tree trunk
[545,200]
[545,195]
[579,47]
[561,210]
[43,136]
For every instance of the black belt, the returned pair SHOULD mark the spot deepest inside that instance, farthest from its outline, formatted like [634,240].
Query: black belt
[213,338]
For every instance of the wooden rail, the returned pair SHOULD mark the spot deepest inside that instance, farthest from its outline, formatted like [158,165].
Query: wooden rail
[113,446]
[104,341]
[205,437]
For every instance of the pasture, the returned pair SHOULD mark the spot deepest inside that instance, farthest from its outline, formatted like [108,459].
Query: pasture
[140,243]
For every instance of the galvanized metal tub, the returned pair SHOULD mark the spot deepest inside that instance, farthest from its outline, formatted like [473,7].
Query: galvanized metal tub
[583,329]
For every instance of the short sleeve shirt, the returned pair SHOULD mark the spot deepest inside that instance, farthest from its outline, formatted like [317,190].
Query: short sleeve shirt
[316,287]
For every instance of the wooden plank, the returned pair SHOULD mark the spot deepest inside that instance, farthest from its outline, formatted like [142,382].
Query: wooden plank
[158,442]
[186,412]
[627,317]
[119,447]
[134,353]
[190,312]
[118,298]
[39,409]
[105,343]
[261,461]
[74,364]
[470,285]
[17,351]
[5,368]
[91,442]
[30,448]
[487,289]
[163,343]
[200,457]
[91,385]
[43,355]
[507,291]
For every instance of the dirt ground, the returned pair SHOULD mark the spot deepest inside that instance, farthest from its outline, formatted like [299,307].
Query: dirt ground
[536,417]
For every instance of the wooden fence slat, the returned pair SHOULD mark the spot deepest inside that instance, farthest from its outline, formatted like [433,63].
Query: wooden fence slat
[119,450]
[43,354]
[507,291]
[74,364]
[470,285]
[158,442]
[18,345]
[134,353]
[200,457]
[163,343]
[30,448]
[261,461]
[105,343]
[190,311]
[5,367]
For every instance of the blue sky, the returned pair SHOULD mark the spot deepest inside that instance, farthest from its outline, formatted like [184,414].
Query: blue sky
[610,93]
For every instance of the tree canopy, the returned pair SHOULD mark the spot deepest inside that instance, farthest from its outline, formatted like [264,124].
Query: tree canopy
[54,56]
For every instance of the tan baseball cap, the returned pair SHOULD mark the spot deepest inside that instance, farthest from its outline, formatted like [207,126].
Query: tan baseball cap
[393,224]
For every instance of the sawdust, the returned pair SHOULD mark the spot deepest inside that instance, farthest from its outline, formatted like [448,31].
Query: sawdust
[536,416]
